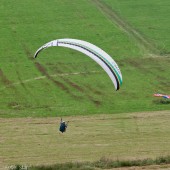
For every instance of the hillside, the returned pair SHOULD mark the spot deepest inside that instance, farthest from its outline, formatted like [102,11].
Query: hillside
[128,124]
[62,81]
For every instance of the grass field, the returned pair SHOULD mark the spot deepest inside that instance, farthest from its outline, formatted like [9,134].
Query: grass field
[63,82]
[24,93]
[36,141]
[146,21]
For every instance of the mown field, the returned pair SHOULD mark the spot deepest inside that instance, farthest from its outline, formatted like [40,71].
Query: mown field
[64,82]
[128,136]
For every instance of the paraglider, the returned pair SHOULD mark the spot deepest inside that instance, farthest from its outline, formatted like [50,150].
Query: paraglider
[94,52]
[63,126]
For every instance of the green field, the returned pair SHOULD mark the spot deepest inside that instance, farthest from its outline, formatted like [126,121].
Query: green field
[64,82]
[33,24]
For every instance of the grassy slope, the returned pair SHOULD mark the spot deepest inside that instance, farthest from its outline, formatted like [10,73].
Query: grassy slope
[35,23]
[149,18]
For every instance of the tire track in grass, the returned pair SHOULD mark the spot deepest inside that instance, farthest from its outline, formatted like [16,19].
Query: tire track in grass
[65,88]
[43,71]
[140,39]
[12,100]
[44,77]
[60,84]
[23,82]
[77,87]
[80,89]
[4,79]
[8,83]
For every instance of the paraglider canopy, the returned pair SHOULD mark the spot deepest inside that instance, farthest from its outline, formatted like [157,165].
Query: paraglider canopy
[94,52]
[162,95]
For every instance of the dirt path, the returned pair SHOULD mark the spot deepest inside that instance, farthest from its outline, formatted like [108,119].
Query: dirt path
[140,39]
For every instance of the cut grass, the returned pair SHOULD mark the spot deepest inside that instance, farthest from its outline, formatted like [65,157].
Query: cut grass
[36,141]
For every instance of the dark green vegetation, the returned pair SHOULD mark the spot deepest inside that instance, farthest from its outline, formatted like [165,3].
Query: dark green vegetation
[103,163]
[131,32]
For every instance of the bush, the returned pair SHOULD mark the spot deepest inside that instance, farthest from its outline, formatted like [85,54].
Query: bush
[103,163]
